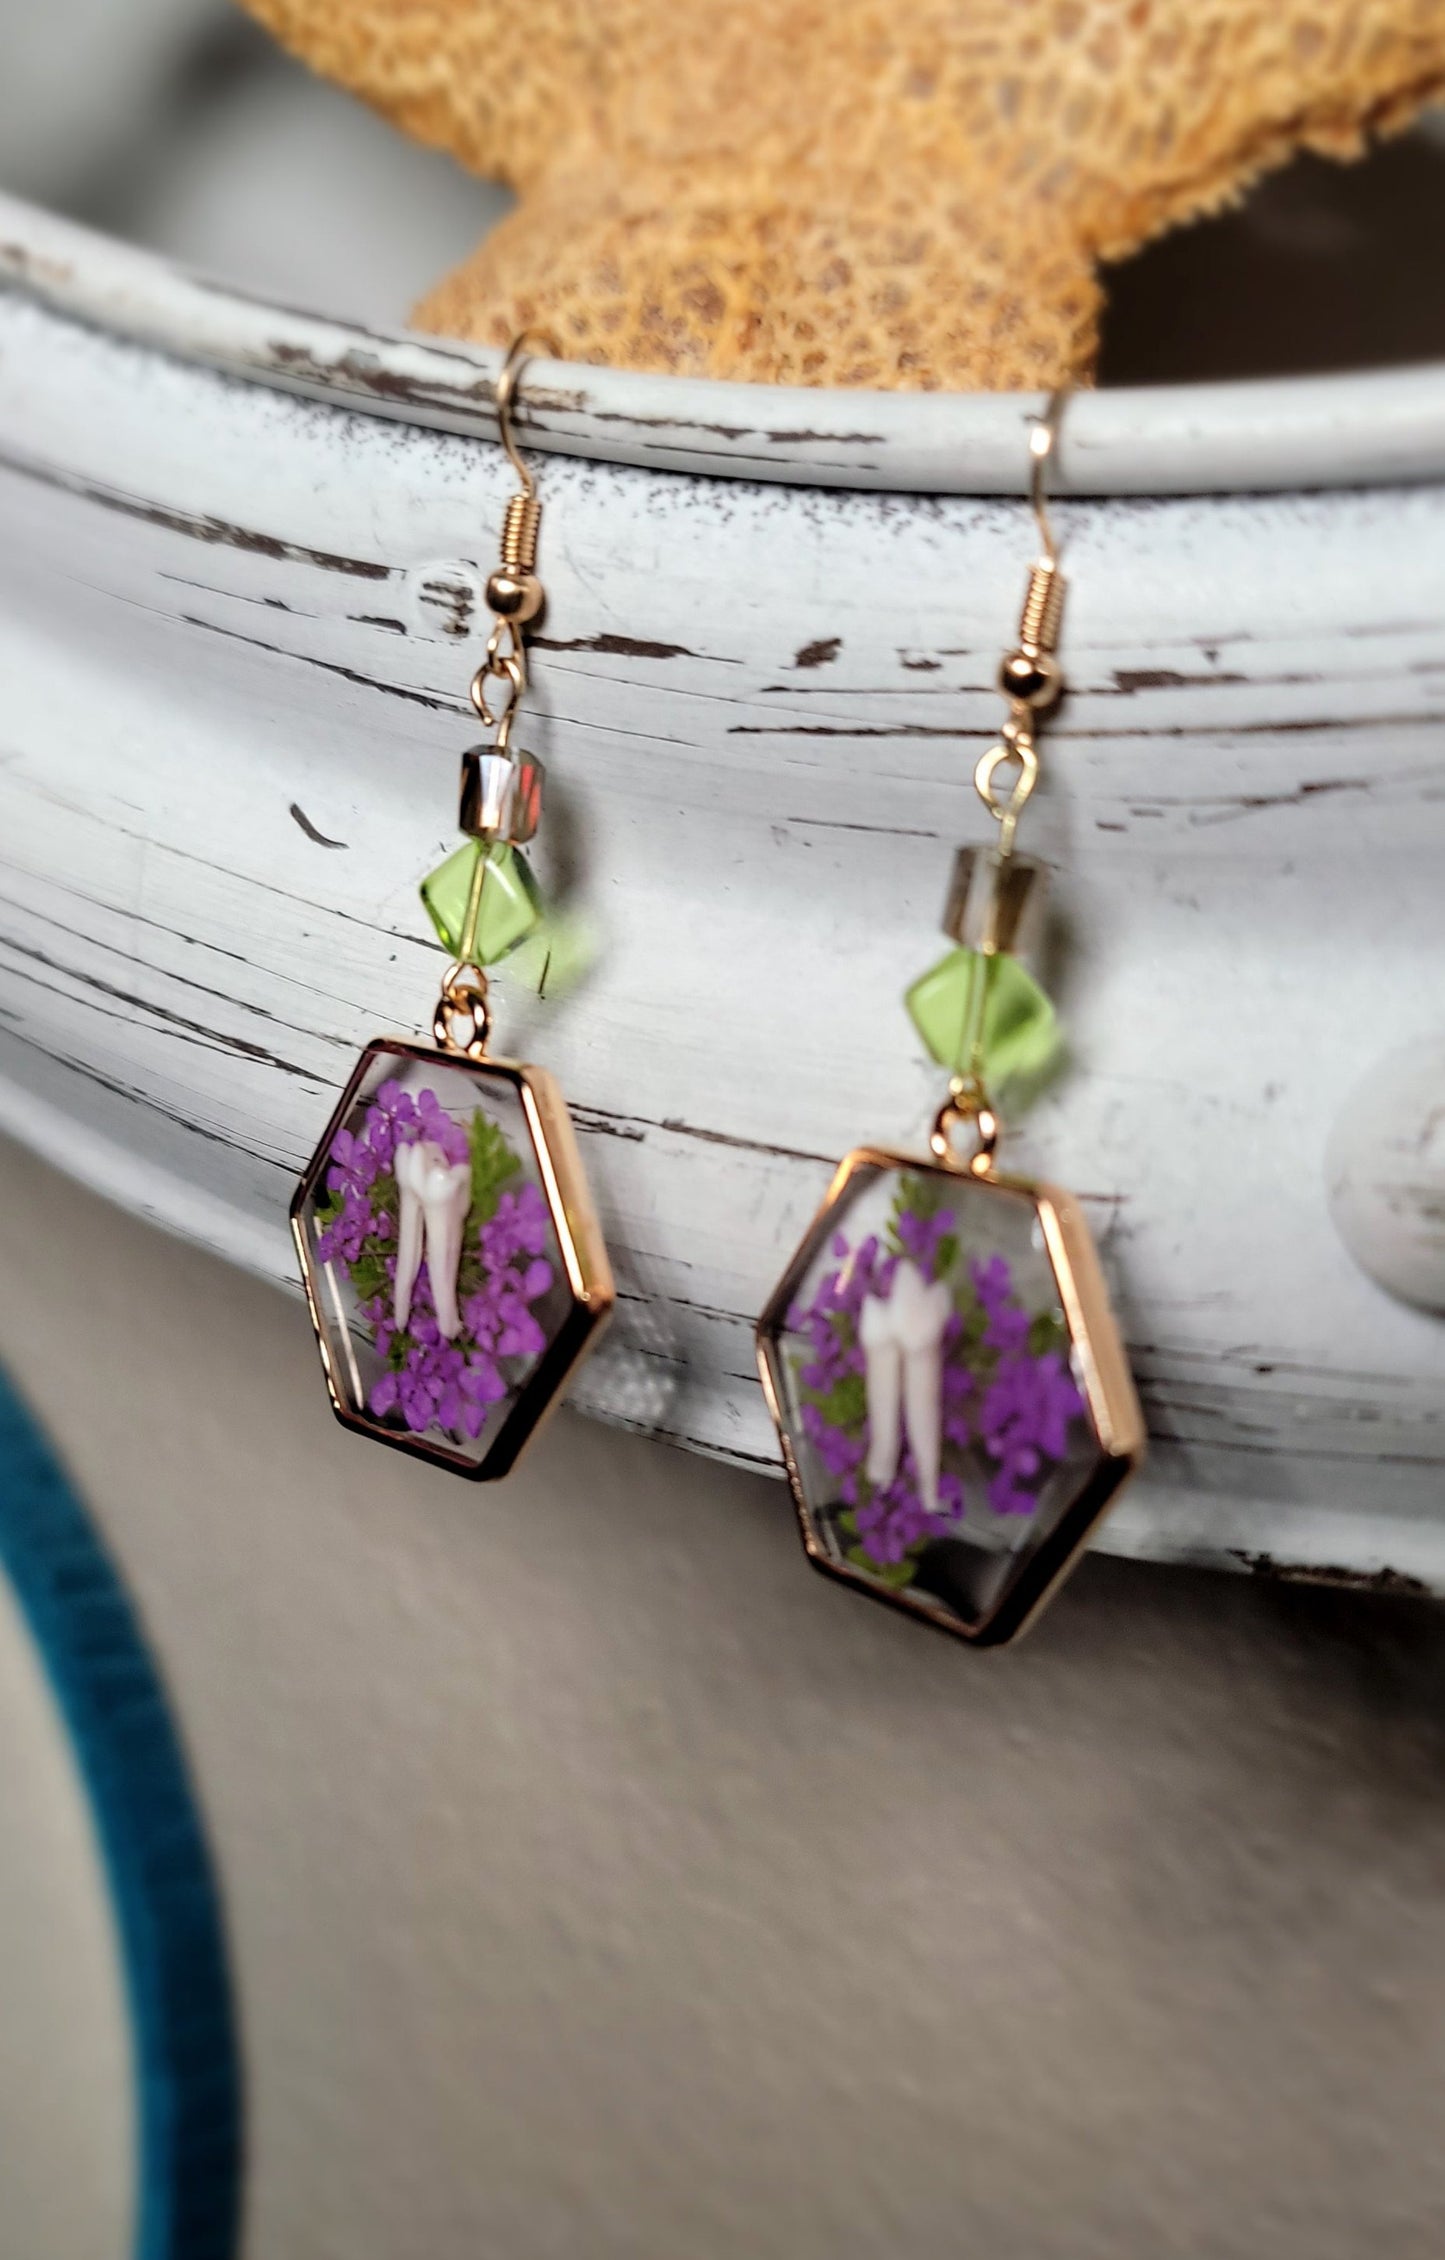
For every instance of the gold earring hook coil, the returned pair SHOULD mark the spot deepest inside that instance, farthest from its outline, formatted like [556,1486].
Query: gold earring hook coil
[524,346]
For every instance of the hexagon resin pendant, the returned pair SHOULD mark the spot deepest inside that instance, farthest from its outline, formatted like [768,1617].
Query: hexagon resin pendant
[953,1401]
[454,1268]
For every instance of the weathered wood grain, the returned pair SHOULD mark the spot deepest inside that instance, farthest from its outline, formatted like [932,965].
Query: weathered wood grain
[236,627]
[1176,439]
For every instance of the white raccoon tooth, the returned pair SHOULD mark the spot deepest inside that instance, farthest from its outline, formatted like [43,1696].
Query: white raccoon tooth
[885,1371]
[919,1307]
[902,1339]
[446,1197]
[923,1418]
[408,1233]
[920,1318]
[883,1381]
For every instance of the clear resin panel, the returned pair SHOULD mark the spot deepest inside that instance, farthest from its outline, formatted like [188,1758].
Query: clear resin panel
[446,1251]
[932,1380]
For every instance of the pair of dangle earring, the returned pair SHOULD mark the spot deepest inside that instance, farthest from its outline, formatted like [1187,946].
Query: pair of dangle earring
[952,1399]
[951,1395]
[451,1258]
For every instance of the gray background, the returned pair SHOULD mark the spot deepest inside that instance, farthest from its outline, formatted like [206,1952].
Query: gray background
[601,1882]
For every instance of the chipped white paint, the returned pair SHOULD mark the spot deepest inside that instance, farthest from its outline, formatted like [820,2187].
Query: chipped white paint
[1175,439]
[237,620]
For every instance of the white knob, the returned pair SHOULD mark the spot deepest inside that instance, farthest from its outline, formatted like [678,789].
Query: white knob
[1385,1171]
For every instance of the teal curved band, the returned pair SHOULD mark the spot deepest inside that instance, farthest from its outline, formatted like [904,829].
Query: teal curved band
[167,1909]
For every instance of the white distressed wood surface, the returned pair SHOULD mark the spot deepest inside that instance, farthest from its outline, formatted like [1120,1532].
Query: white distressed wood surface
[233,618]
[1176,439]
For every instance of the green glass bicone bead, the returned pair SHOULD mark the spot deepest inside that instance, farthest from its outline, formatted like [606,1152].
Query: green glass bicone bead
[556,955]
[489,888]
[983,1015]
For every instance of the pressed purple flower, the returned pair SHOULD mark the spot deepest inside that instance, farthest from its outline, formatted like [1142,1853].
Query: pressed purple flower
[1007,1496]
[483,1380]
[519,1227]
[391,1118]
[921,1237]
[894,1519]
[1006,1412]
[1028,1407]
[951,1496]
[393,1105]
[1025,1417]
[418,1401]
[438,1127]
[992,1281]
[344,1237]
[430,1382]
[481,1320]
[1063,1402]
[355,1165]
[840,1451]
[521,1336]
[1008,1331]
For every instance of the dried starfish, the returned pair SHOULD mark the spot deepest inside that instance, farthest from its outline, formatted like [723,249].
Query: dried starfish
[910,193]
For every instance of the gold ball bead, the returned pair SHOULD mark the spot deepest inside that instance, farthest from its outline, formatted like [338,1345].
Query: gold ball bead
[1030,677]
[514,596]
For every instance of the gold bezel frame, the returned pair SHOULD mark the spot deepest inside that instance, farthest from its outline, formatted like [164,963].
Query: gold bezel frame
[1103,1374]
[579,1240]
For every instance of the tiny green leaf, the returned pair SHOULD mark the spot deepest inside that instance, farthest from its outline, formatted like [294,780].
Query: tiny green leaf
[493,1162]
[921,1196]
[328,1210]
[1047,1332]
[368,1276]
[845,1405]
[975,1319]
[895,1575]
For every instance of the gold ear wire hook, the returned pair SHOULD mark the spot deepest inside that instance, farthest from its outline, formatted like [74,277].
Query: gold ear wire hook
[1029,676]
[1043,444]
[1044,602]
[514,594]
[521,350]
